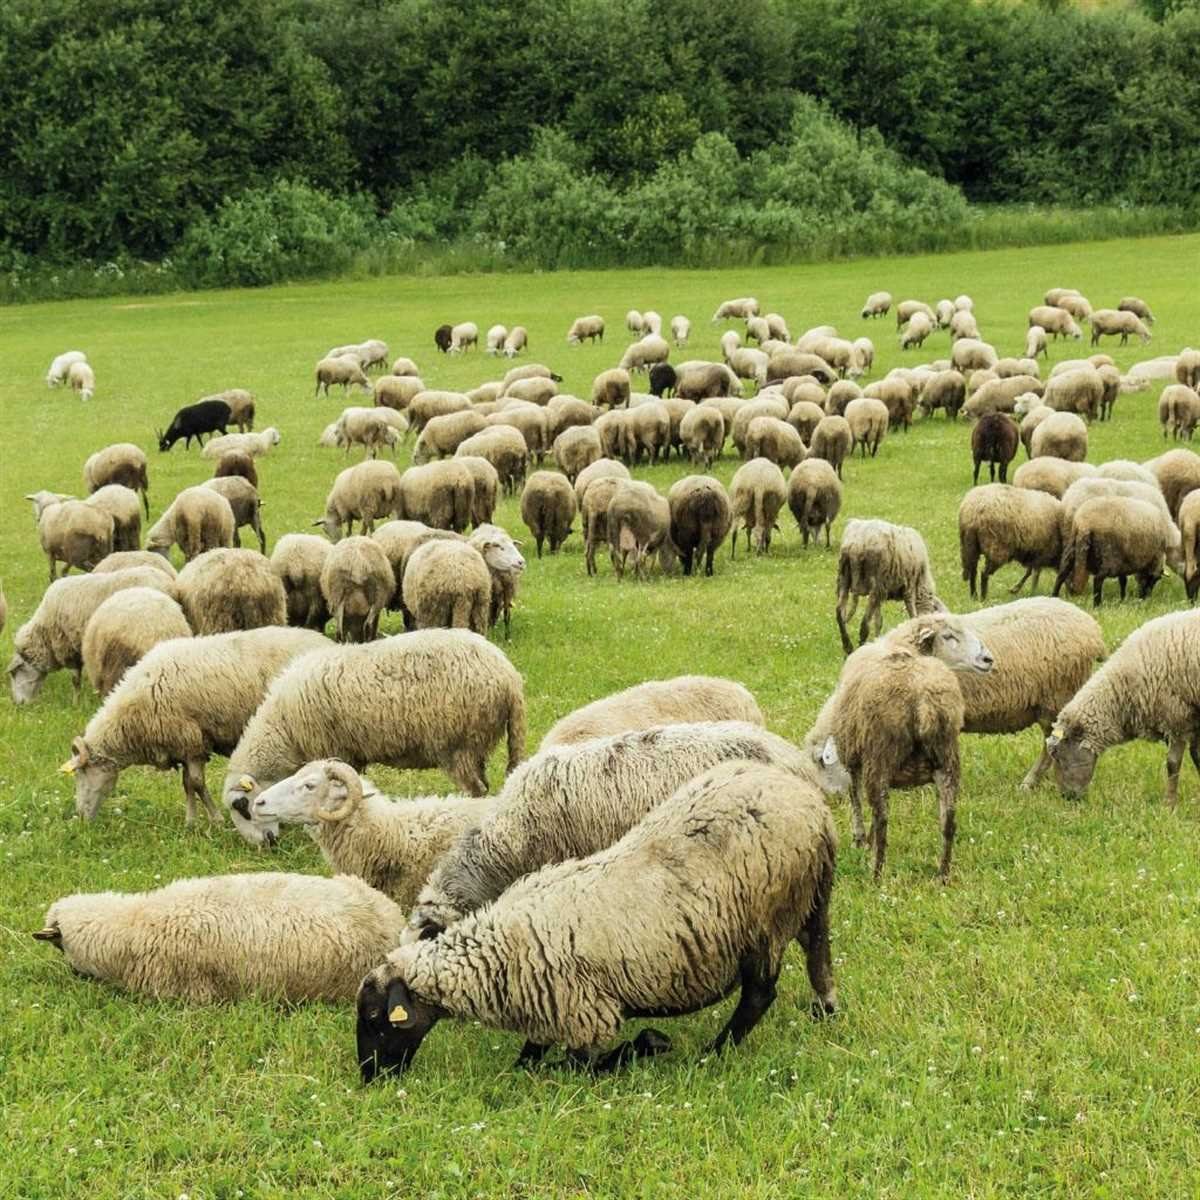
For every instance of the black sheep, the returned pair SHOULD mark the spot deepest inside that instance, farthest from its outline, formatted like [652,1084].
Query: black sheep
[441,338]
[662,379]
[193,420]
[994,441]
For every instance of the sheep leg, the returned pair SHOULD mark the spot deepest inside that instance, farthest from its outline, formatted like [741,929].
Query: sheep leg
[814,940]
[847,605]
[189,797]
[947,786]
[1097,590]
[77,684]
[708,558]
[647,1044]
[467,770]
[856,816]
[1012,591]
[877,795]
[757,995]
[1039,768]
[531,1054]
[1194,751]
[1174,763]
[193,779]
[1121,583]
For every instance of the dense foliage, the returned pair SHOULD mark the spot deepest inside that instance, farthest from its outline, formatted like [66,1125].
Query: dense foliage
[655,127]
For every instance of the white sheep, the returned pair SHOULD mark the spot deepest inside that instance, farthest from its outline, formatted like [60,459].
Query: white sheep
[356,584]
[681,329]
[124,629]
[253,444]
[82,379]
[495,339]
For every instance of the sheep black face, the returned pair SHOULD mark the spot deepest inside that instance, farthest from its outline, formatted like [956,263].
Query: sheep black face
[1074,763]
[392,1024]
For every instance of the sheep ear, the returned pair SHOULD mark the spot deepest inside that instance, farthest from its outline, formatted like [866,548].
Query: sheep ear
[400,1006]
[80,747]
[315,524]
[925,637]
[51,933]
[829,754]
[1056,736]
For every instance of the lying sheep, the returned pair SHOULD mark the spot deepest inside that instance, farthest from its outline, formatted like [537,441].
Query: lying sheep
[298,560]
[1051,475]
[502,446]
[123,629]
[434,698]
[342,370]
[279,937]
[356,586]
[832,440]
[254,444]
[122,463]
[1139,308]
[760,837]
[882,561]
[877,305]
[1109,322]
[364,493]
[585,328]
[638,525]
[197,520]
[814,497]
[224,590]
[1061,434]
[1055,321]
[864,356]
[243,500]
[868,421]
[516,341]
[1001,524]
[701,517]
[548,507]
[1179,411]
[447,585]
[1149,688]
[757,492]
[643,354]
[392,845]
[72,532]
[1113,535]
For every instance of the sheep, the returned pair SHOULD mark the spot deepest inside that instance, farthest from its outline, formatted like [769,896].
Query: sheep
[1187,368]
[244,503]
[1139,308]
[241,407]
[405,366]
[1113,535]
[743,307]
[61,364]
[589,328]
[122,560]
[1061,434]
[466,334]
[1189,528]
[485,490]
[548,507]
[594,516]
[505,564]
[226,937]
[447,585]
[367,354]
[1051,475]
[1080,392]
[442,436]
[123,629]
[919,327]
[898,398]
[254,444]
[994,440]
[769,405]
[945,390]
[785,363]
[495,338]
[364,493]
[645,429]
[538,390]
[527,371]
[572,799]
[868,421]
[804,417]
[297,561]
[877,305]
[1126,471]
[1001,523]
[73,532]
[575,449]
[1142,489]
[236,465]
[424,406]
[892,721]
[1031,420]
[1078,306]
[441,338]
[516,341]
[397,392]
[832,440]
[1074,364]
[1055,321]
[633,321]
[699,380]
[223,590]
[610,389]
[638,525]
[701,517]
[210,416]
[864,356]
[907,308]
[389,844]
[566,412]
[1000,395]
[779,883]
[370,428]
[837,353]
[433,698]
[530,421]
[643,354]
[1179,411]
[442,494]
[82,379]
[681,329]
[344,370]
[1035,342]
[1149,688]
[882,561]
[1007,368]
[757,492]
[775,440]
[356,585]
[602,468]
[969,354]
[123,463]
[944,312]
[814,497]
[502,446]
[1111,322]
[1178,474]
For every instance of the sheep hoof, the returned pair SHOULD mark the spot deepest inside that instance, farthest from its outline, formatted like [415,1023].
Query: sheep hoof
[651,1042]
[859,840]
[821,1009]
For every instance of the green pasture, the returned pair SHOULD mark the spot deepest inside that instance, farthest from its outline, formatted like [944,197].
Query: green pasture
[1031,1030]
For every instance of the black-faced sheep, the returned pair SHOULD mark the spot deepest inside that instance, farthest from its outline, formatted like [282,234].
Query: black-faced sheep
[742,307]
[701,517]
[1179,411]
[994,440]
[516,340]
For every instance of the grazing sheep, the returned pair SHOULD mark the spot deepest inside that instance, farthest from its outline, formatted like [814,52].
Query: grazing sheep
[442,494]
[241,407]
[805,416]
[638,525]
[254,444]
[1187,368]
[1179,411]
[298,560]
[946,390]
[1080,392]
[868,421]
[776,440]
[280,937]
[906,309]
[122,560]
[61,364]
[757,492]
[1178,474]
[944,311]
[602,468]
[1149,688]
[342,371]
[594,516]
[536,390]
[244,503]
[1055,321]
[1139,308]
[643,354]
[771,404]
[1051,475]
[548,507]
[610,389]
[832,440]
[882,561]
[516,341]
[397,392]
[197,520]
[1078,306]
[82,379]
[527,371]
[970,354]
[356,585]
[1035,342]
[1189,528]
[502,446]
[434,698]
[1001,524]
[236,465]
[1124,487]
[485,491]
[442,436]
[877,305]
[1061,434]
[634,322]
[74,532]
[575,449]
[898,396]
[441,338]
[495,338]
[405,366]
[424,406]
[1109,322]
[681,329]
[1113,535]
[123,629]
[646,430]
[814,497]
[447,585]
[590,328]
[466,334]
[760,838]
[506,564]
[699,380]
[365,493]
[566,412]
[209,416]
[224,590]
[123,463]
[370,428]
[788,362]
[994,440]
[892,721]
[1032,412]
[919,327]
[743,307]
[701,517]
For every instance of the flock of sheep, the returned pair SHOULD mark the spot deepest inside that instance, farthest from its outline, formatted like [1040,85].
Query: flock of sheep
[499,908]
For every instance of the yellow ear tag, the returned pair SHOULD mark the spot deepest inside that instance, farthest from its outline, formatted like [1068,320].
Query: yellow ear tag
[1056,731]
[68,768]
[246,784]
[398,1014]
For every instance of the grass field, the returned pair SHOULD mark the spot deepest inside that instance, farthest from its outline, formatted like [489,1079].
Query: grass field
[1030,1030]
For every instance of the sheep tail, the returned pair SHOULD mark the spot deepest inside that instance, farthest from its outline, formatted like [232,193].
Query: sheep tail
[516,733]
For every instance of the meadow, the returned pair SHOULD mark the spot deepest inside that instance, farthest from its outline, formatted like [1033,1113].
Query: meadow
[1032,1029]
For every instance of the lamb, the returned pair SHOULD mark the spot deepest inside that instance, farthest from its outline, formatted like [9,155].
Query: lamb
[590,328]
[1113,535]
[877,305]
[433,698]
[82,379]
[391,845]
[447,585]
[969,354]
[868,421]
[122,560]
[1061,434]
[505,564]
[397,392]
[681,329]
[1179,411]
[364,493]
[73,532]
[643,354]
[548,507]
[245,505]
[832,440]
[495,338]
[61,364]
[1149,688]
[770,872]
[1189,528]
[945,390]
[906,309]
[443,435]
[123,629]
[1139,308]
[344,370]
[882,561]
[298,560]
[254,444]
[466,334]
[805,416]
[743,307]
[280,937]
[701,517]
[236,465]
[424,406]
[123,463]
[814,497]
[1187,368]
[570,800]
[1178,474]
[1111,322]
[919,327]
[224,590]
[441,494]
[638,525]
[504,448]
[356,585]
[1001,524]
[1051,475]
[757,492]
[1055,321]
[577,448]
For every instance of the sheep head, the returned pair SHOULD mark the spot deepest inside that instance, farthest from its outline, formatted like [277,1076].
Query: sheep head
[95,776]
[25,678]
[1074,760]
[239,793]
[949,638]
[392,1022]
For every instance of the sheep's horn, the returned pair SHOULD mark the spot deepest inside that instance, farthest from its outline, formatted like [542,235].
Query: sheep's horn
[354,790]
